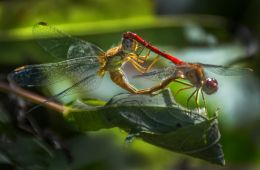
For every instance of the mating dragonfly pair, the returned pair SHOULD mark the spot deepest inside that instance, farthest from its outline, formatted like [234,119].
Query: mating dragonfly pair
[86,64]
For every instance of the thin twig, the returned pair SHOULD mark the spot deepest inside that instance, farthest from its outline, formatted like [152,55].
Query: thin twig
[37,99]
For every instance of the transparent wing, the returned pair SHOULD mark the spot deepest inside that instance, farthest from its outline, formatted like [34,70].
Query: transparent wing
[158,75]
[59,44]
[75,70]
[90,82]
[227,71]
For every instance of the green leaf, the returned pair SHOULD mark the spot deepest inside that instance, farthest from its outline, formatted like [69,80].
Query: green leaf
[158,120]
[200,140]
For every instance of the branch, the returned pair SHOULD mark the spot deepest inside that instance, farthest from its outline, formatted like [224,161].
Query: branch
[34,98]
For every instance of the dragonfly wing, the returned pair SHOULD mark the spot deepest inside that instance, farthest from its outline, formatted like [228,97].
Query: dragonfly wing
[86,84]
[227,71]
[60,44]
[47,74]
[158,75]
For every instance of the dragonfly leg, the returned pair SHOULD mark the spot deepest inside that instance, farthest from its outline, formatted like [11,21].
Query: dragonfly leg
[139,55]
[188,101]
[145,57]
[137,66]
[204,101]
[136,58]
[184,83]
[153,62]
[182,89]
[140,68]
[140,51]
[197,98]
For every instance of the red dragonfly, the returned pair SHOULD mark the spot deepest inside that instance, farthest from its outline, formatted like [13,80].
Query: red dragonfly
[193,72]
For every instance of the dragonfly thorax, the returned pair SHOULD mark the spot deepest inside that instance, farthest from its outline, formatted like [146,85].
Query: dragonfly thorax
[193,73]
[196,75]
[210,86]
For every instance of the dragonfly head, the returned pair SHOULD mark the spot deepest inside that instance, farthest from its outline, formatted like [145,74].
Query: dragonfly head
[129,45]
[210,86]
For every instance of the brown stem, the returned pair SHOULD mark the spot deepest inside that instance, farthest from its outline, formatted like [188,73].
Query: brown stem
[32,97]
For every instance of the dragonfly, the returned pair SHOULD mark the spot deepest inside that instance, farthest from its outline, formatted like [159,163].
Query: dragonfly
[193,73]
[83,63]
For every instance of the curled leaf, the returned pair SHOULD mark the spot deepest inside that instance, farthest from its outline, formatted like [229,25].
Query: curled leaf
[200,140]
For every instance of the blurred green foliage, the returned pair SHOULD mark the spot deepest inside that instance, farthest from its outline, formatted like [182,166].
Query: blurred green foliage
[17,14]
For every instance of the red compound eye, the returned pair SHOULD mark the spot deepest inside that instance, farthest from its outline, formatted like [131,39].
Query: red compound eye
[210,86]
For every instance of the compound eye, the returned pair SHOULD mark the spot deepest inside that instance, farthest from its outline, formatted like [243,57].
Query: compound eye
[210,86]
[127,44]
